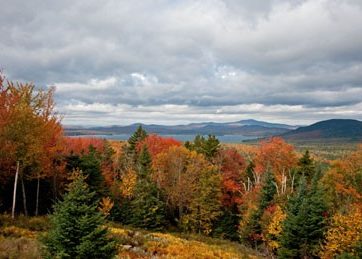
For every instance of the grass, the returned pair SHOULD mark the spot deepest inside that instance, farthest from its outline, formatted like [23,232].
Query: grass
[18,239]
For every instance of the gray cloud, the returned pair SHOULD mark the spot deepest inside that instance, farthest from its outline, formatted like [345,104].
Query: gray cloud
[165,61]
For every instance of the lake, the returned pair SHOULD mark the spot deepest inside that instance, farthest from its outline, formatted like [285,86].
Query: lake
[224,138]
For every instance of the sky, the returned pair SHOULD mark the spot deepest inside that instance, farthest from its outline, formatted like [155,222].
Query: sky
[118,62]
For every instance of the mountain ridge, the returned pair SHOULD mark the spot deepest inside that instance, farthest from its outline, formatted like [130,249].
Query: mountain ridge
[248,127]
[327,129]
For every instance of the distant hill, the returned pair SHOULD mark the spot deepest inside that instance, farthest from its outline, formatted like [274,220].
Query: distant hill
[329,129]
[250,128]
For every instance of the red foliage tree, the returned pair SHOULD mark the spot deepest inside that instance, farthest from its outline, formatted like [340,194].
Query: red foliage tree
[233,169]
[157,144]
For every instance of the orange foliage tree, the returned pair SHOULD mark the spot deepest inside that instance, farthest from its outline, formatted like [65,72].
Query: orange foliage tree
[344,233]
[176,171]
[157,144]
[234,182]
[30,130]
[279,157]
[343,181]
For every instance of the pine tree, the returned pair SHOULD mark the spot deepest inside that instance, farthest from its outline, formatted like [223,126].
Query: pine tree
[306,165]
[253,230]
[139,135]
[90,165]
[227,225]
[77,226]
[148,210]
[208,147]
[303,229]
[144,163]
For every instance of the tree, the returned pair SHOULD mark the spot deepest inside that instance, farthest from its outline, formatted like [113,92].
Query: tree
[306,165]
[344,234]
[305,223]
[29,131]
[343,181]
[139,135]
[77,226]
[208,147]
[277,155]
[157,144]
[234,185]
[148,210]
[205,205]
[176,172]
[252,231]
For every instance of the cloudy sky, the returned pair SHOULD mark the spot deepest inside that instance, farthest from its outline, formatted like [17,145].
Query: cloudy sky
[180,61]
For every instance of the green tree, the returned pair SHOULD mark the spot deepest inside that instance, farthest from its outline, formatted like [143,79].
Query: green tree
[144,163]
[148,210]
[304,227]
[306,165]
[208,147]
[78,229]
[205,206]
[252,232]
[90,165]
[139,135]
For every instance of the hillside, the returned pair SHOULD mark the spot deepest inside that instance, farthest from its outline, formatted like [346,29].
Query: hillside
[328,130]
[252,128]
[19,238]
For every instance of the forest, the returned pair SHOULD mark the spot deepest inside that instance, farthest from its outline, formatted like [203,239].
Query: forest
[92,198]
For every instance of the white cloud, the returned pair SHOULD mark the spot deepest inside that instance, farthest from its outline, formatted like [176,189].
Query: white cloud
[212,59]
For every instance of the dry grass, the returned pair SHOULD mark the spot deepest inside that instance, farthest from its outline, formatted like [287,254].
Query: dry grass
[18,239]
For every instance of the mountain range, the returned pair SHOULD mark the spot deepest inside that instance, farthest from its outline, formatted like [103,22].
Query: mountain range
[249,128]
[329,129]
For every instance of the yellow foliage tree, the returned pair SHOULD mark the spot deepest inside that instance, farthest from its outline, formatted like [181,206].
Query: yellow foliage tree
[274,229]
[344,233]
[128,183]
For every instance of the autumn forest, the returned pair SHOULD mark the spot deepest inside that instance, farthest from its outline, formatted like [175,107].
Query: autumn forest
[267,197]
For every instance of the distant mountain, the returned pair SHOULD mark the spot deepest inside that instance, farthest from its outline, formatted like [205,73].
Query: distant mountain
[250,128]
[329,129]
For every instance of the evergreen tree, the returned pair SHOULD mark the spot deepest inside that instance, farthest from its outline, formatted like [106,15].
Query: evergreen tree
[304,226]
[139,135]
[208,147]
[148,210]
[306,165]
[253,230]
[90,165]
[144,163]
[77,226]
[227,225]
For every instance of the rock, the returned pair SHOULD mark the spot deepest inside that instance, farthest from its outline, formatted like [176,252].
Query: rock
[127,247]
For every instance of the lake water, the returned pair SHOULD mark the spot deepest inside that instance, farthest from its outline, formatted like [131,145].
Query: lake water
[224,138]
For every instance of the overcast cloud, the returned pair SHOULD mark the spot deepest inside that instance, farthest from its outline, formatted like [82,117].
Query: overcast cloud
[174,61]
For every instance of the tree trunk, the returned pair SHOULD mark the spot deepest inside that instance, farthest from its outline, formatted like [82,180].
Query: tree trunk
[24,196]
[15,186]
[37,198]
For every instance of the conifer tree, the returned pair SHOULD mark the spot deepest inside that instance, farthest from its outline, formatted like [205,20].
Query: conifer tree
[144,163]
[254,229]
[208,147]
[90,165]
[304,226]
[306,165]
[148,210]
[139,135]
[77,226]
